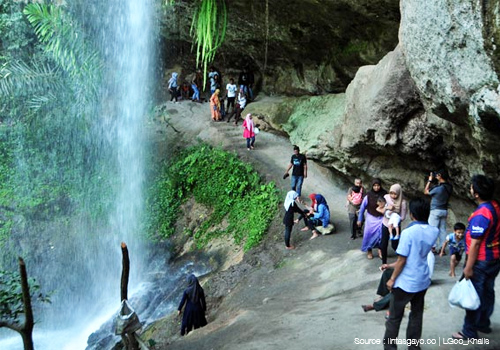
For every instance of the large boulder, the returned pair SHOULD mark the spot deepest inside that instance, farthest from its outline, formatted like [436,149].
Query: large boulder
[451,51]
[433,102]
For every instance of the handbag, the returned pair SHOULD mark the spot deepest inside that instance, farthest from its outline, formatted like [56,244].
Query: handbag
[464,295]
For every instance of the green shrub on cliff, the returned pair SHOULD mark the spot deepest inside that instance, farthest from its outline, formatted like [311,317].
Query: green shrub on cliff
[218,180]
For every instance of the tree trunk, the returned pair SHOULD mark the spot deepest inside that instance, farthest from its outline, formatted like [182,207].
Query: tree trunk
[27,329]
[128,339]
[125,272]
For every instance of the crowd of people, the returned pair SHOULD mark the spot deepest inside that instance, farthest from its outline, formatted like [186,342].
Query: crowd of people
[237,95]
[376,216]
[379,214]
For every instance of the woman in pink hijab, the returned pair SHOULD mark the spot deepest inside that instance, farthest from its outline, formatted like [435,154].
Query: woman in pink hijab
[248,131]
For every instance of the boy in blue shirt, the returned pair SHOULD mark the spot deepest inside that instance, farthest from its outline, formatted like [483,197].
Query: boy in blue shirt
[456,241]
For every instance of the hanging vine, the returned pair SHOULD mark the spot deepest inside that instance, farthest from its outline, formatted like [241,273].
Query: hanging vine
[208,30]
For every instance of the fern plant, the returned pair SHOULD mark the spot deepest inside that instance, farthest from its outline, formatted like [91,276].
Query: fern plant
[67,46]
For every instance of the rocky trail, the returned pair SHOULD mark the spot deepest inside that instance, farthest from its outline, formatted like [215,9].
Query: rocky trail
[311,297]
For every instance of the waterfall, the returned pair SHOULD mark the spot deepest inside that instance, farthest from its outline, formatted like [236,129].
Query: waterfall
[85,271]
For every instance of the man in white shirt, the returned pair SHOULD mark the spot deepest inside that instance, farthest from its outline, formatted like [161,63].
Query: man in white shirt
[231,89]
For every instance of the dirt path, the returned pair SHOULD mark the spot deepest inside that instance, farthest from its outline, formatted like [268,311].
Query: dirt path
[312,298]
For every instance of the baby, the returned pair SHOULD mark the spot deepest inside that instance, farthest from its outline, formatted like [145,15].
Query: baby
[394,218]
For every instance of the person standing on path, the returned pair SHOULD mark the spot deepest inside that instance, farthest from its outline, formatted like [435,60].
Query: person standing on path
[231,90]
[196,85]
[440,195]
[173,87]
[291,207]
[249,131]
[411,276]
[372,218]
[355,196]
[196,306]
[397,204]
[482,262]
[240,106]
[299,164]
[215,106]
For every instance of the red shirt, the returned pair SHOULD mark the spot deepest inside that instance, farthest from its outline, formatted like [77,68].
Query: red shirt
[484,224]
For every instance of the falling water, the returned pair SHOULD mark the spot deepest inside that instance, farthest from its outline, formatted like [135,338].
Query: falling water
[86,272]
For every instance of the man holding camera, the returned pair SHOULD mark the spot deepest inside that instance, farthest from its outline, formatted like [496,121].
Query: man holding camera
[440,195]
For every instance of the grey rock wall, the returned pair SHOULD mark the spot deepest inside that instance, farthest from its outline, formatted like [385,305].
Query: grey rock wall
[295,48]
[433,102]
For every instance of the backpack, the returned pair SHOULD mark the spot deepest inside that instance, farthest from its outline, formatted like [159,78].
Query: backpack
[357,198]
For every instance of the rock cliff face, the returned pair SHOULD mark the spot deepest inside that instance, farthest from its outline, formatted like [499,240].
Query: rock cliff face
[433,102]
[294,47]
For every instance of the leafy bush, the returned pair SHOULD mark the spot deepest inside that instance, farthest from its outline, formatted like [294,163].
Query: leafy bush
[221,181]
[11,298]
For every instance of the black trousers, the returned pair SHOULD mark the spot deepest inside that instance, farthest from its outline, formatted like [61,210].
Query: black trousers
[288,233]
[353,225]
[384,243]
[311,223]
[399,299]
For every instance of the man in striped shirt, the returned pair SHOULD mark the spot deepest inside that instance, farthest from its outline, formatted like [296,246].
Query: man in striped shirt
[482,264]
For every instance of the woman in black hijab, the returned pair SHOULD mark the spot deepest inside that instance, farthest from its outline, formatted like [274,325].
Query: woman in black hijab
[372,218]
[194,312]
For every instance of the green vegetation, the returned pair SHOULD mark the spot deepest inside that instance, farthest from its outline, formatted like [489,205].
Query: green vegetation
[50,164]
[208,29]
[11,296]
[218,180]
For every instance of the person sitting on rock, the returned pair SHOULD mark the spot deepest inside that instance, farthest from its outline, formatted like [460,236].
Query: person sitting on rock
[321,217]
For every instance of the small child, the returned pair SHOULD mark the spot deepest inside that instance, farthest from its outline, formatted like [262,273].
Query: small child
[394,218]
[457,246]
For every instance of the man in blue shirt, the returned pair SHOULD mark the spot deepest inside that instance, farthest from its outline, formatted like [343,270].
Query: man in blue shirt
[411,276]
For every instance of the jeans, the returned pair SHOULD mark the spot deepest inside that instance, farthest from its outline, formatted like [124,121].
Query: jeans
[483,280]
[437,218]
[384,243]
[250,142]
[297,183]
[196,94]
[399,299]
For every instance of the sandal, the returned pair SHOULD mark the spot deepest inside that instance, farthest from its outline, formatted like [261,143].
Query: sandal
[369,255]
[459,336]
[367,308]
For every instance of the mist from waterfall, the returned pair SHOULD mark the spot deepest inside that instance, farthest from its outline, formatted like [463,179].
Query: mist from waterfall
[85,270]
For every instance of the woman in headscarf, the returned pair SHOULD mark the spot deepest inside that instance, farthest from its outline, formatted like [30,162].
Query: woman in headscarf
[396,204]
[291,207]
[194,312]
[372,218]
[173,87]
[321,216]
[215,106]
[248,131]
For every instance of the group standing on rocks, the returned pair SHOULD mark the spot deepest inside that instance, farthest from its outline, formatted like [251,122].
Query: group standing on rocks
[407,279]
[376,216]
